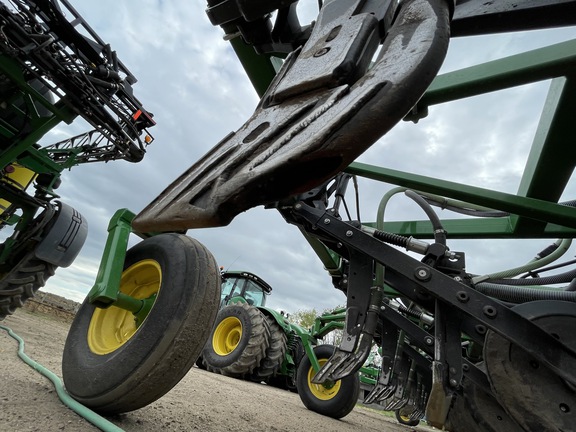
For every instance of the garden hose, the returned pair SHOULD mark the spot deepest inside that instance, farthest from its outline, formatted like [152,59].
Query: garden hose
[97,420]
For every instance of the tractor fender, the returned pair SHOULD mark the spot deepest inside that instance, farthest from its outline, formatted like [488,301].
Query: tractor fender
[288,326]
[278,317]
[63,238]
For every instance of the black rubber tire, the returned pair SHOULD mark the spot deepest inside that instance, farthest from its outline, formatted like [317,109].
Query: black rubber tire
[405,420]
[282,382]
[337,404]
[245,354]
[275,353]
[200,364]
[167,343]
[22,282]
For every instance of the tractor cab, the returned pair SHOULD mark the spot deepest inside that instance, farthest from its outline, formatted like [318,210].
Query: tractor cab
[244,287]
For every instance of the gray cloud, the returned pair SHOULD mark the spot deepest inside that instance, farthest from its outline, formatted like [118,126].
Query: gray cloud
[191,80]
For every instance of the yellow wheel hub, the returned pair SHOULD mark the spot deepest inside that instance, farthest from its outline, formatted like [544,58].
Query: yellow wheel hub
[111,328]
[227,336]
[322,391]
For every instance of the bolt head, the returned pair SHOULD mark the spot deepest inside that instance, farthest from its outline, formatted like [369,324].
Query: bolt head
[422,274]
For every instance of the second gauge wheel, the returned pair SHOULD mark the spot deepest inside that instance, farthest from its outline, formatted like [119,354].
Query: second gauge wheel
[333,399]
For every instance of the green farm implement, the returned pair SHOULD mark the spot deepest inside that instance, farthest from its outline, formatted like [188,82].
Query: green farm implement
[469,352]
[458,346]
[53,70]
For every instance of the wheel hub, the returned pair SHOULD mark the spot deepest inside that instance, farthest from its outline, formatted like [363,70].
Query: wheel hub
[227,336]
[112,327]
[324,391]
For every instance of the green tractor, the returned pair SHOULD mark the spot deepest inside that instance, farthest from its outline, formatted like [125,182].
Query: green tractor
[252,341]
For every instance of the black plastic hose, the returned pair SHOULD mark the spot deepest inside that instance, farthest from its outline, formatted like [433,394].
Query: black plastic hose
[439,231]
[548,280]
[522,295]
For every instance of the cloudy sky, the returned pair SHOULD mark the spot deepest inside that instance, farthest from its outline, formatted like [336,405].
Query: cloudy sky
[192,82]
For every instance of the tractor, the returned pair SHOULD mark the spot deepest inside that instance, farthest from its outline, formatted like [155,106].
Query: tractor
[254,342]
[243,286]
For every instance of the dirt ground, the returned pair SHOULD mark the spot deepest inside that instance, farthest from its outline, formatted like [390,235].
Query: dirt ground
[201,401]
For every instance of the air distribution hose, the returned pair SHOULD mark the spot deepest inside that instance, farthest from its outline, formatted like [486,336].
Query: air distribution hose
[559,248]
[524,294]
[97,420]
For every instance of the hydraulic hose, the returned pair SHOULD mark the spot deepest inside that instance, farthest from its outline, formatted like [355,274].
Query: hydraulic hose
[383,204]
[380,226]
[547,280]
[94,418]
[439,231]
[461,206]
[524,294]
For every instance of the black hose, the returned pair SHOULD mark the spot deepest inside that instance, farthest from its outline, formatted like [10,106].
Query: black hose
[548,280]
[439,231]
[466,211]
[549,249]
[552,267]
[522,295]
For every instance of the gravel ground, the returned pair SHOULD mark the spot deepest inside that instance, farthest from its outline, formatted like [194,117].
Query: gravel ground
[201,401]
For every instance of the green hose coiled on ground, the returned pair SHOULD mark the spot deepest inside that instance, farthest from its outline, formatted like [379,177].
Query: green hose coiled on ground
[97,420]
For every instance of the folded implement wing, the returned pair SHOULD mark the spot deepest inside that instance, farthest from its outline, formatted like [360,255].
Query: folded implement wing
[331,100]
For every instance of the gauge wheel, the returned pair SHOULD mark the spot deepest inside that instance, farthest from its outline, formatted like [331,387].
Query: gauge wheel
[403,417]
[335,399]
[112,365]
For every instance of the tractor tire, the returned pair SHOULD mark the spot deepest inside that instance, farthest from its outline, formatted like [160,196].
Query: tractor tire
[334,401]
[22,282]
[275,353]
[200,363]
[110,365]
[238,342]
[282,382]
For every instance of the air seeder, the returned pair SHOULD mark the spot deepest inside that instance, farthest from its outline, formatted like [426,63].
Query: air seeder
[492,352]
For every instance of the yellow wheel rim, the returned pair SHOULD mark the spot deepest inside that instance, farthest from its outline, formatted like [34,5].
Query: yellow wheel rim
[322,391]
[111,328]
[227,336]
